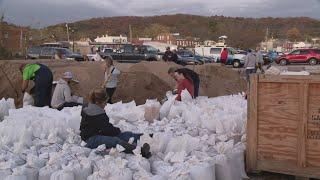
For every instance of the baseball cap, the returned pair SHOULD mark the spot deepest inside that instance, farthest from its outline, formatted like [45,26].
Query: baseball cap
[68,75]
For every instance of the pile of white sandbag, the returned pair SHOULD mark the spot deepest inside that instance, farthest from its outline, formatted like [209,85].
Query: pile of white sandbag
[195,139]
[5,105]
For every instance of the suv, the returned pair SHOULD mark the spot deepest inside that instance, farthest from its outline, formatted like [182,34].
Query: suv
[311,56]
[234,58]
[42,52]
[133,53]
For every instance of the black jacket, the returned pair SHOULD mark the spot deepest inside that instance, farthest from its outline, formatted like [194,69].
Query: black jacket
[96,122]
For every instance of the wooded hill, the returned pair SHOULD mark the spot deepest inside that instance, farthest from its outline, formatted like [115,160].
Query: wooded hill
[242,32]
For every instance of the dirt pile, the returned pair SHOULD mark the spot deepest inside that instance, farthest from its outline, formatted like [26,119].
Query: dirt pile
[146,80]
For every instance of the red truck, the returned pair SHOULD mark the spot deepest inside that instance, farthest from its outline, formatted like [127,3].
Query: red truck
[311,56]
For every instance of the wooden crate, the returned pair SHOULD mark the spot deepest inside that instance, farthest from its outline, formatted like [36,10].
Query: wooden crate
[283,128]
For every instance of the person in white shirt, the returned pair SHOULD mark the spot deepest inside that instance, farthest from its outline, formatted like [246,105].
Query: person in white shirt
[62,93]
[111,76]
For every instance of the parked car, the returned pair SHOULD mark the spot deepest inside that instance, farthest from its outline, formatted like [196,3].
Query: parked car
[234,58]
[133,53]
[311,56]
[43,52]
[69,55]
[186,57]
[271,56]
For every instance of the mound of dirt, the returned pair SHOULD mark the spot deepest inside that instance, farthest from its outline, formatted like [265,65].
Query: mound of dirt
[146,80]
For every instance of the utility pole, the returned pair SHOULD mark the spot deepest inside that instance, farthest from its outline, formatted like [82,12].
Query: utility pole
[68,32]
[130,31]
[2,30]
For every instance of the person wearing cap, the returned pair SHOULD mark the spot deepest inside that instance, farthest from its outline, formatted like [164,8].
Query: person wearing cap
[62,93]
[42,77]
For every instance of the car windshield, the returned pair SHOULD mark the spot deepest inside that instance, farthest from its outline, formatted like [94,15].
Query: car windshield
[151,49]
[64,51]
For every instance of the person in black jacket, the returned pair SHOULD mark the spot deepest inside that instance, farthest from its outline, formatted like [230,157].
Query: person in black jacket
[97,130]
[167,55]
[193,75]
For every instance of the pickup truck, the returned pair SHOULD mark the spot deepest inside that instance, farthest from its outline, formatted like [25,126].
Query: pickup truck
[133,53]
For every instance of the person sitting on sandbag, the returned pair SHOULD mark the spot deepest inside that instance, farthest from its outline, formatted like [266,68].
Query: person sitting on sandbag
[62,93]
[42,77]
[96,130]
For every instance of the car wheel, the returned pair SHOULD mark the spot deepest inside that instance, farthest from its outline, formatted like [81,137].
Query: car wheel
[283,62]
[236,64]
[313,62]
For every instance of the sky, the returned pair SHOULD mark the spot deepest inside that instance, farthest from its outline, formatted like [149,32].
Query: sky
[40,13]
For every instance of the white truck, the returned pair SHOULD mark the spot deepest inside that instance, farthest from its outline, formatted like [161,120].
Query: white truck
[234,58]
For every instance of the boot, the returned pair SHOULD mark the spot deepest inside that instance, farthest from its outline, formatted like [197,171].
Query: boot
[145,151]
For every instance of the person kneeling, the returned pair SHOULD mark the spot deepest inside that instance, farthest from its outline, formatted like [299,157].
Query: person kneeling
[62,93]
[96,130]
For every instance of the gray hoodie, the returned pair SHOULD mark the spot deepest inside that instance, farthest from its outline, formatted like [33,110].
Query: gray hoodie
[250,61]
[61,94]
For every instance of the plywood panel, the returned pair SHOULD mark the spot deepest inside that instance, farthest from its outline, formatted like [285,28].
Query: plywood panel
[278,106]
[313,153]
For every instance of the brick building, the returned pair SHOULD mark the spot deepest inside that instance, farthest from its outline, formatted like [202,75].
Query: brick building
[176,39]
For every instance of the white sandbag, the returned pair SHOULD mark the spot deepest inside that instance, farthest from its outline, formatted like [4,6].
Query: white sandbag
[292,73]
[152,112]
[30,172]
[62,175]
[5,105]
[185,143]
[185,96]
[224,170]
[273,71]
[203,171]
[122,174]
[165,108]
[16,177]
[46,172]
[157,177]
[27,100]
[5,173]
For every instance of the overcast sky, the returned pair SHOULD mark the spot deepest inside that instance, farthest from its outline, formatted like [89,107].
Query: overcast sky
[48,12]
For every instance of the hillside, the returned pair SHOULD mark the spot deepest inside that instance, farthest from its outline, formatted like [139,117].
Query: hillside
[242,32]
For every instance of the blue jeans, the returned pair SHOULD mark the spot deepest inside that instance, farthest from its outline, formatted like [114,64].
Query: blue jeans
[111,142]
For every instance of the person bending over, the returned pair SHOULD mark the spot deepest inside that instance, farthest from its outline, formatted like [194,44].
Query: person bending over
[193,75]
[184,82]
[42,77]
[96,130]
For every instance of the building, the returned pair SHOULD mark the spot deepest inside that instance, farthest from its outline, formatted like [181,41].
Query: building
[176,39]
[112,39]
[14,39]
[209,43]
[140,41]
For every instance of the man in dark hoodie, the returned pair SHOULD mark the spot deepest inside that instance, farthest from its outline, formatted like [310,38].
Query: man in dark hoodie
[97,130]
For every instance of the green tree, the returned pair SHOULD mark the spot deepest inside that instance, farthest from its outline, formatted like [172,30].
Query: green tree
[293,34]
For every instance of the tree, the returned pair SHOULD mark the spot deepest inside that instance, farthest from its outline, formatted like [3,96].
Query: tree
[155,29]
[293,34]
